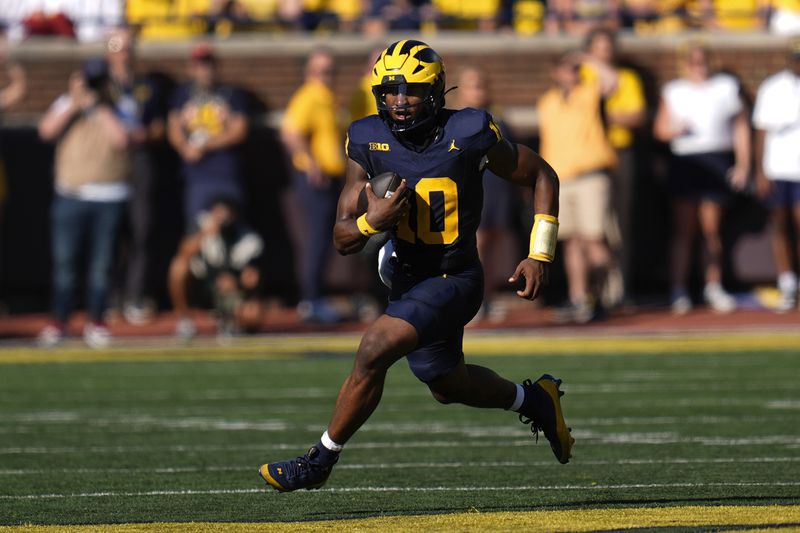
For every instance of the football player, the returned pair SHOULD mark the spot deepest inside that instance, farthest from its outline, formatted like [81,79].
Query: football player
[437,280]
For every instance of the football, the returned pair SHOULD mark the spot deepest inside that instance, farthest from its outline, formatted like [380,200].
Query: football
[383,185]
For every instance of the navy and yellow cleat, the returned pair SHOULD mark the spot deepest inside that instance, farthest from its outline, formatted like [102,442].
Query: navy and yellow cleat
[541,408]
[304,472]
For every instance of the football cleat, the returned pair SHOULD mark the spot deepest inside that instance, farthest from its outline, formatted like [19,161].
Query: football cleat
[541,408]
[304,472]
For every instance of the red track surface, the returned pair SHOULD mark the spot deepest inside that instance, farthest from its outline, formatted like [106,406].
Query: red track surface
[521,316]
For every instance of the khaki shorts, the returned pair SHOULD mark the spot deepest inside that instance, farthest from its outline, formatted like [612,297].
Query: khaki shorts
[583,206]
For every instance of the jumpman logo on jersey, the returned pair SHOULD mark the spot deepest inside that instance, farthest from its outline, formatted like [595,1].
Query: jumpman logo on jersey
[453,146]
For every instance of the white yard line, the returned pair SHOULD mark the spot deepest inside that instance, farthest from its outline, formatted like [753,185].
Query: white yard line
[510,488]
[400,466]
[585,438]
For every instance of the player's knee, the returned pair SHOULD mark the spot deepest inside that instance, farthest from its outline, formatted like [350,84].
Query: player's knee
[443,397]
[374,353]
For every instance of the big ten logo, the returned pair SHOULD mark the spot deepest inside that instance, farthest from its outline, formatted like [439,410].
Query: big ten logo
[379,147]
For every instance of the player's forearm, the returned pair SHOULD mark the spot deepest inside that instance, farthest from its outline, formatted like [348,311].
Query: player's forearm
[545,190]
[347,237]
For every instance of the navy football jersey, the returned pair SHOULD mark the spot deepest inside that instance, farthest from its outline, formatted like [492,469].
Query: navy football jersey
[439,232]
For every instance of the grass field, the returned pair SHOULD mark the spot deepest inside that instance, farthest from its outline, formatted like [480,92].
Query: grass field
[683,434]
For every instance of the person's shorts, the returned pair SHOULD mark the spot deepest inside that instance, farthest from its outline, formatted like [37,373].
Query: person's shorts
[701,176]
[785,193]
[583,206]
[438,308]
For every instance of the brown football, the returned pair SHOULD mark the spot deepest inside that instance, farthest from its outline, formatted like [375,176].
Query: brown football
[383,185]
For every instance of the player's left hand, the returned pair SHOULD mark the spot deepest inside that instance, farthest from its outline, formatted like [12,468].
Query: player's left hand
[535,274]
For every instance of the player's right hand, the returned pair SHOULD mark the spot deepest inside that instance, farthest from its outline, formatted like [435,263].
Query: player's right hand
[385,213]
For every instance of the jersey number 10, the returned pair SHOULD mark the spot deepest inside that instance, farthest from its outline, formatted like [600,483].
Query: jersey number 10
[435,212]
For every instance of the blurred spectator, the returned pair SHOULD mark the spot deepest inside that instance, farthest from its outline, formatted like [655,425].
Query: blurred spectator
[784,16]
[481,15]
[571,110]
[91,170]
[224,254]
[733,15]
[362,102]
[527,16]
[500,205]
[10,95]
[624,110]
[398,15]
[578,17]
[167,20]
[777,121]
[206,123]
[313,138]
[654,16]
[140,102]
[88,21]
[704,119]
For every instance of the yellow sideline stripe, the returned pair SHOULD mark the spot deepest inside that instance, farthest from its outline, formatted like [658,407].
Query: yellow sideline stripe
[574,520]
[288,347]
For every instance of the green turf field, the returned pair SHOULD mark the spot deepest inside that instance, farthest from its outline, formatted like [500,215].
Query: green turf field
[177,439]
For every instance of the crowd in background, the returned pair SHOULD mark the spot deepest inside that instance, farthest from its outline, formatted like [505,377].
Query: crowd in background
[85,20]
[110,121]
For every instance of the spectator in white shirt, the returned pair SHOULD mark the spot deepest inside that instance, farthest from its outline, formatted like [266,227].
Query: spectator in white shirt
[777,163]
[705,121]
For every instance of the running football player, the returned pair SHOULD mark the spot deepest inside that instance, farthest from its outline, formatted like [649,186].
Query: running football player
[437,279]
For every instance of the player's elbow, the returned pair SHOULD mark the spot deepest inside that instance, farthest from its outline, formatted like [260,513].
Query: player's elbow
[346,246]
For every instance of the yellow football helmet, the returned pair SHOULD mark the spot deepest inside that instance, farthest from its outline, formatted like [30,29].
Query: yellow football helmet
[409,66]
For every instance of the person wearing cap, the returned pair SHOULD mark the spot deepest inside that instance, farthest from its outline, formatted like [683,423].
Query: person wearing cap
[92,165]
[205,124]
[571,109]
[776,118]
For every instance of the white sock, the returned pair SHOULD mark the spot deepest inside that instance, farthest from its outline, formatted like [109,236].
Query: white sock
[787,282]
[328,443]
[518,400]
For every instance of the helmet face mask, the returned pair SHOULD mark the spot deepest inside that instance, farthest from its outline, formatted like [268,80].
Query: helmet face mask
[408,85]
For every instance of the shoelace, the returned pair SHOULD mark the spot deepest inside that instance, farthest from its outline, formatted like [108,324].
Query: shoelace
[525,420]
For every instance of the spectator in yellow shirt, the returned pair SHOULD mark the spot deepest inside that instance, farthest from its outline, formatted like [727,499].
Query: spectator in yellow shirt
[624,110]
[313,138]
[569,117]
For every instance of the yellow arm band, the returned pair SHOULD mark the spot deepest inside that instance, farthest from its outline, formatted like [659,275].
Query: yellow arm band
[364,227]
[544,237]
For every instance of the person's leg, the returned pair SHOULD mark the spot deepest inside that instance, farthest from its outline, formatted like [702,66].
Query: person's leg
[141,213]
[318,207]
[386,341]
[714,294]
[710,217]
[106,221]
[577,269]
[684,228]
[475,386]
[781,248]
[70,224]
[538,403]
